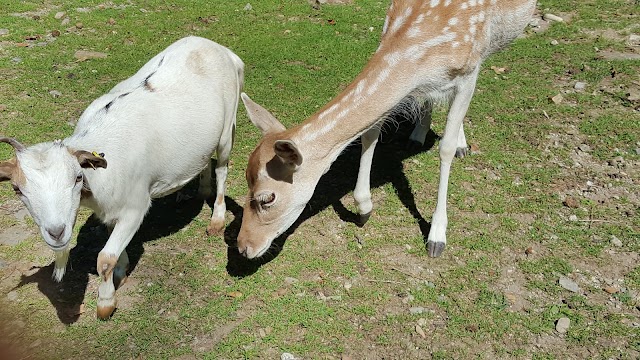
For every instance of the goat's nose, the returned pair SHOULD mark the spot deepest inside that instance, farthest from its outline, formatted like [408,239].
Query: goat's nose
[56,231]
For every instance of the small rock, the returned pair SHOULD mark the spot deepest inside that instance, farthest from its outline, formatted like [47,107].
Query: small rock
[111,21]
[551,17]
[580,85]
[633,95]
[79,25]
[557,99]
[16,60]
[409,298]
[416,310]
[287,356]
[12,296]
[615,241]
[529,251]
[568,284]
[610,289]
[262,333]
[4,32]
[59,15]
[633,40]
[55,33]
[571,202]
[471,328]
[584,147]
[554,42]
[563,325]
[55,93]
[290,280]
[573,217]
[534,22]
[248,7]
[65,21]
[422,322]
[421,332]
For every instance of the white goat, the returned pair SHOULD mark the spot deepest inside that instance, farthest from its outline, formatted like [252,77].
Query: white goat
[156,131]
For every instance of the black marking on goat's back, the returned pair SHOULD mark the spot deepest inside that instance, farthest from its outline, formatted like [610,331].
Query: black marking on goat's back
[108,106]
[147,86]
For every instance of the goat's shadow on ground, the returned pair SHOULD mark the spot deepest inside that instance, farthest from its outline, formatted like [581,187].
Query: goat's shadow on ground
[393,148]
[163,219]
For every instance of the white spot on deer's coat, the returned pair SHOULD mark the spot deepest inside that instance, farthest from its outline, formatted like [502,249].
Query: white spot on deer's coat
[320,132]
[360,87]
[472,2]
[463,6]
[384,74]
[453,21]
[447,2]
[414,32]
[455,44]
[392,58]
[415,52]
[434,3]
[419,19]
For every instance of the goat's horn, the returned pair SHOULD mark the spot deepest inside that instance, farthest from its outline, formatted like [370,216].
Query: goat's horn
[13,142]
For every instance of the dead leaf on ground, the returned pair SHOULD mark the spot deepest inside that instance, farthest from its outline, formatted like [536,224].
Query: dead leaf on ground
[83,55]
[498,70]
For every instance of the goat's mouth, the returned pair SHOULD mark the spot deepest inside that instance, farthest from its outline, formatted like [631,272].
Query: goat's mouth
[58,247]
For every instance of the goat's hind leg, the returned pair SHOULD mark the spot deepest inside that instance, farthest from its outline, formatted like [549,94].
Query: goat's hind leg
[216,225]
[204,183]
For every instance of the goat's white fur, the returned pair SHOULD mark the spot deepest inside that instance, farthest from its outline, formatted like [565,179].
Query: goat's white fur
[157,130]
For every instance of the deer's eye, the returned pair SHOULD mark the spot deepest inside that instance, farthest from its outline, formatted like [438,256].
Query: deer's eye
[266,199]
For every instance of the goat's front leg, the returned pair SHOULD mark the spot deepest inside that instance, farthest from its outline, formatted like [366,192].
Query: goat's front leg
[437,238]
[362,192]
[216,225]
[113,261]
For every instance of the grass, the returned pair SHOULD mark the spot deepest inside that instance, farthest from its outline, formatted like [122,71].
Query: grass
[337,290]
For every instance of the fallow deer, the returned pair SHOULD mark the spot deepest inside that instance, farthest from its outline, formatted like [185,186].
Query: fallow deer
[430,50]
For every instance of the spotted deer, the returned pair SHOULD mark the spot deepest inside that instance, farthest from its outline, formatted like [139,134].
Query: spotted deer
[430,52]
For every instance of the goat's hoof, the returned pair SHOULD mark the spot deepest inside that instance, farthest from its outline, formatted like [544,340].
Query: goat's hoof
[413,145]
[105,312]
[215,228]
[362,219]
[462,152]
[435,249]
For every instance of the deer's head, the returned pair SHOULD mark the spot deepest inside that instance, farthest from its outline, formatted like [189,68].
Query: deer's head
[280,184]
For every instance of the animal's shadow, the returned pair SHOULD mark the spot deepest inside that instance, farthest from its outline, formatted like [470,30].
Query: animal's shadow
[164,218]
[391,150]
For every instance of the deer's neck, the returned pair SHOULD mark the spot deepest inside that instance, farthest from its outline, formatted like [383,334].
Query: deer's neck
[359,107]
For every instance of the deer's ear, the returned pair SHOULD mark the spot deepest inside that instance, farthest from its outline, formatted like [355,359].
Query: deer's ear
[260,117]
[288,152]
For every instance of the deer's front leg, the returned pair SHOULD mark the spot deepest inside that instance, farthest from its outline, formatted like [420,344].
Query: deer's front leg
[437,238]
[113,262]
[362,192]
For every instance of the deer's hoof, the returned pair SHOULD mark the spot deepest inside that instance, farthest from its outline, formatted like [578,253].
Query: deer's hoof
[363,218]
[461,152]
[435,249]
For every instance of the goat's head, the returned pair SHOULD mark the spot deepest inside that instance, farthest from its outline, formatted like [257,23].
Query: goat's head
[280,185]
[48,178]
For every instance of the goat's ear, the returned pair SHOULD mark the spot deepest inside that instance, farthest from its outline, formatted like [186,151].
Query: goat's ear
[288,152]
[7,169]
[90,160]
[260,117]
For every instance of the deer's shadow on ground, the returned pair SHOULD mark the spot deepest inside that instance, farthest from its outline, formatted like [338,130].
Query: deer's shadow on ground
[392,149]
[166,216]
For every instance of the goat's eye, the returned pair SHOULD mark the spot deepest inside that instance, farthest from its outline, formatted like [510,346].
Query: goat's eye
[17,190]
[79,178]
